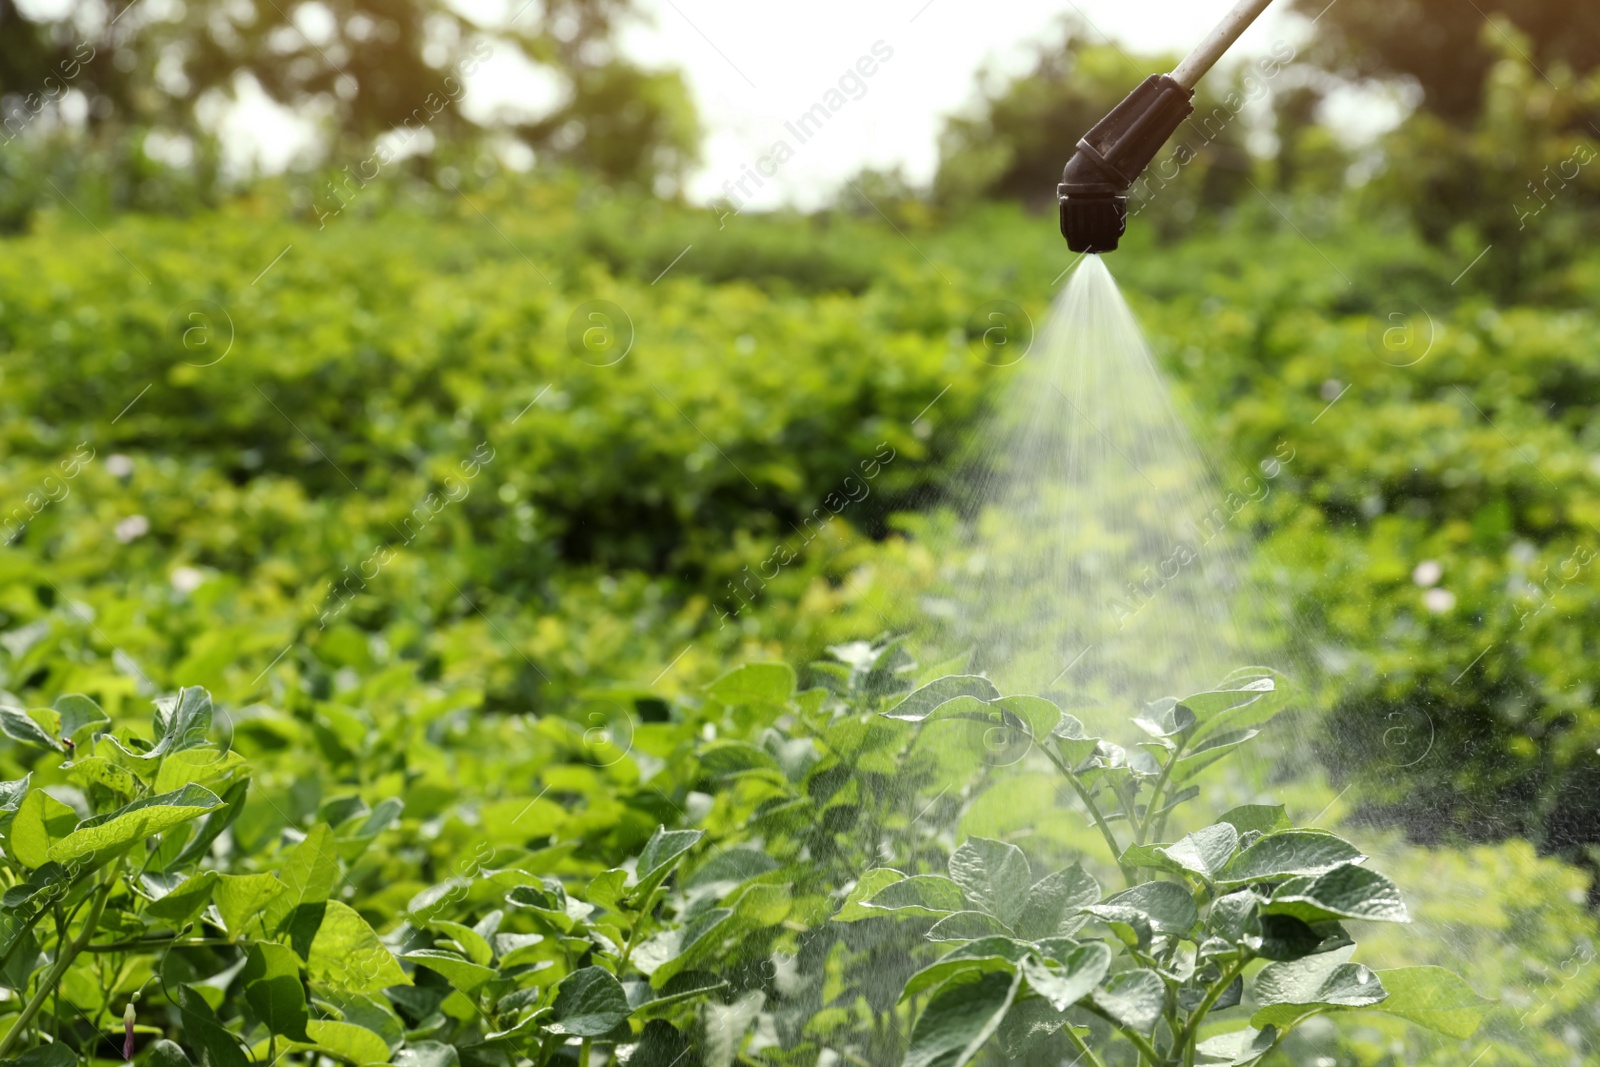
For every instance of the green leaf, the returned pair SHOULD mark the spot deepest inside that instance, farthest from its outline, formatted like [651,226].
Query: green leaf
[1249,698]
[11,793]
[967,926]
[854,908]
[97,770]
[347,1042]
[217,1047]
[1327,980]
[1134,999]
[473,944]
[1257,818]
[754,683]
[1166,718]
[1041,715]
[1073,741]
[960,1018]
[981,956]
[182,721]
[215,823]
[1240,1047]
[78,718]
[242,899]
[1055,902]
[57,1055]
[19,725]
[197,766]
[1167,906]
[925,895]
[459,971]
[427,1054]
[589,1003]
[1073,979]
[1201,854]
[186,900]
[41,820]
[308,877]
[994,876]
[105,834]
[671,952]
[665,849]
[272,987]
[1435,998]
[1291,852]
[921,703]
[1349,892]
[166,1054]
[733,759]
[346,954]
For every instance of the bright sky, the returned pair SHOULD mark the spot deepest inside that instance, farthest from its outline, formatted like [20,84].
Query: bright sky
[754,66]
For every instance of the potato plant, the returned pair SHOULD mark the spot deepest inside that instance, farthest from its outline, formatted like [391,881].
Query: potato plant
[135,926]
[1246,910]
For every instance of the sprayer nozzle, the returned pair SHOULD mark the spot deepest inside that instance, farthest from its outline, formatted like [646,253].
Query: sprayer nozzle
[1093,224]
[1110,158]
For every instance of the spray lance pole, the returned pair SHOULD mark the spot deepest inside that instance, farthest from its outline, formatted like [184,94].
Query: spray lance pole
[1110,157]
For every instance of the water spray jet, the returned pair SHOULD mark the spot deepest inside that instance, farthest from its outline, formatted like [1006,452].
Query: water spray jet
[1111,156]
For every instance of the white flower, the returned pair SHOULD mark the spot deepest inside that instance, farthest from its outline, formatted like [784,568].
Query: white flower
[132,528]
[187,579]
[1428,573]
[118,465]
[1438,601]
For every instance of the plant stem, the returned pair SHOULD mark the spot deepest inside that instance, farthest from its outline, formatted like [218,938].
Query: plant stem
[1094,814]
[65,954]
[1141,835]
[1082,1046]
[155,941]
[1191,1029]
[1147,1051]
[583,1053]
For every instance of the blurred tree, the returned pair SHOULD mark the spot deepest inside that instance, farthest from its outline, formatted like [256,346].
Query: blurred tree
[1014,142]
[358,68]
[1440,44]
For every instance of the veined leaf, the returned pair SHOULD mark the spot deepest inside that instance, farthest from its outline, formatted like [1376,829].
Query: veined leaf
[1238,1048]
[967,926]
[589,1003]
[960,1018]
[1326,980]
[141,819]
[922,702]
[1435,998]
[459,971]
[242,899]
[665,849]
[854,908]
[347,1042]
[985,954]
[925,895]
[1055,903]
[1133,998]
[1073,979]
[271,981]
[1291,852]
[754,683]
[994,876]
[40,822]
[1348,892]
[346,954]
[1167,906]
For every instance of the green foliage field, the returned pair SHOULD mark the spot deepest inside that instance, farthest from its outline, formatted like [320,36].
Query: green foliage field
[452,582]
